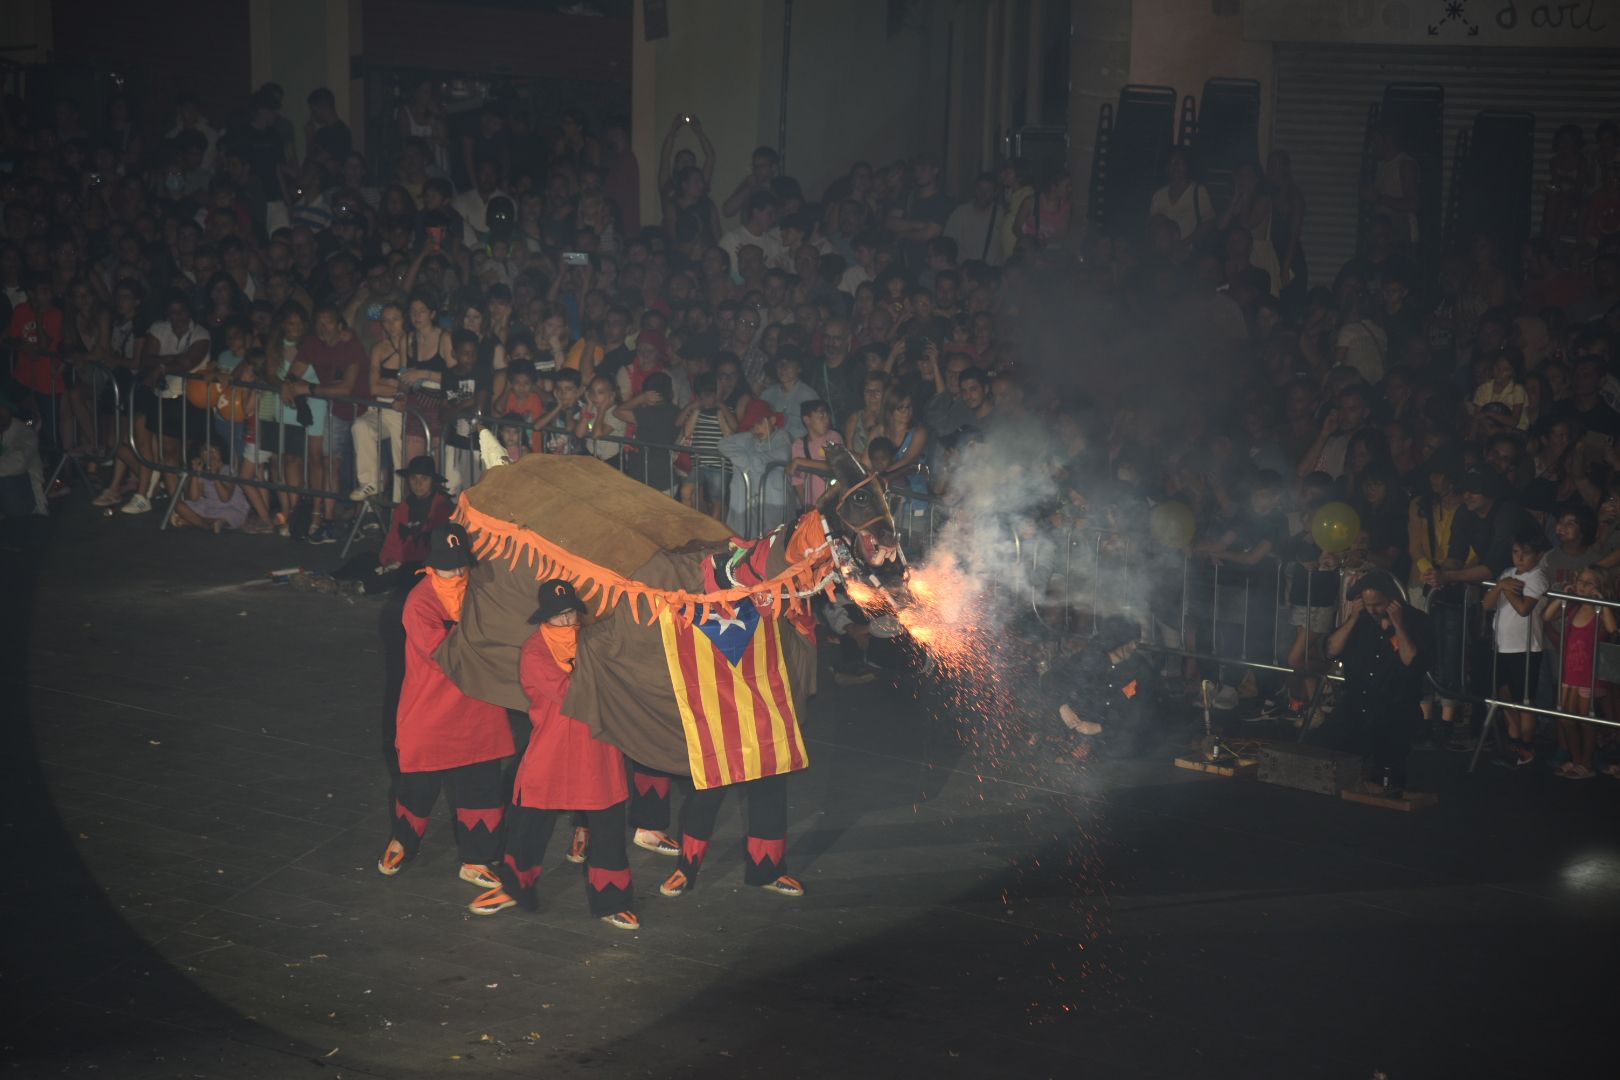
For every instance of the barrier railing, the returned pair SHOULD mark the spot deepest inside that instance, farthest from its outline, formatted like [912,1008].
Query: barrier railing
[78,420]
[198,412]
[1603,654]
[1194,608]
[713,487]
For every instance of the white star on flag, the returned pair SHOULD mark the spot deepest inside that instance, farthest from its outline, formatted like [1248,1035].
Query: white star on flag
[725,623]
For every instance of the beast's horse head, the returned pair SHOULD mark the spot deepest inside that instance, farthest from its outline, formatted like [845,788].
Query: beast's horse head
[856,511]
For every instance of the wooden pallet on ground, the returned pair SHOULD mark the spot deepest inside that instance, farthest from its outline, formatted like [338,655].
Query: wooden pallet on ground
[1243,767]
[1407,801]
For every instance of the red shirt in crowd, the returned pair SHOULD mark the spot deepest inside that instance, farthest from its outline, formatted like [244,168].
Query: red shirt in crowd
[42,339]
[331,361]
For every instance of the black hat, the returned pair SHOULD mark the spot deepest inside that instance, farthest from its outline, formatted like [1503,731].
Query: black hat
[1482,482]
[451,548]
[422,466]
[556,597]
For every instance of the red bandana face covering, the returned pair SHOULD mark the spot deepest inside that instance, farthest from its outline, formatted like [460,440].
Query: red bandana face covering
[450,591]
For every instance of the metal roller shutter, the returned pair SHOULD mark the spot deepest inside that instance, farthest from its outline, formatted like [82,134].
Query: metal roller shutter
[1323,91]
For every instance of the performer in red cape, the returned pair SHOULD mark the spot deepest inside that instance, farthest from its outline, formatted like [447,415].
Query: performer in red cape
[563,769]
[445,738]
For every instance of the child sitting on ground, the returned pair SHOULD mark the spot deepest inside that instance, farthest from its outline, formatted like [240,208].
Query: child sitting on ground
[210,504]
[1585,626]
[1520,639]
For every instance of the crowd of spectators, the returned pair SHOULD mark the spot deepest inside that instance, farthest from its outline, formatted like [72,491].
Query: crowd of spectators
[1462,400]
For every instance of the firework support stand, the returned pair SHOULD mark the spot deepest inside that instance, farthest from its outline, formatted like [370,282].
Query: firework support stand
[1215,758]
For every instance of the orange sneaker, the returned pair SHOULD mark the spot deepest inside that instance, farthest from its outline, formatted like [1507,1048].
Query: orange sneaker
[582,843]
[785,885]
[479,875]
[492,902]
[393,859]
[674,885]
[656,842]
[623,920]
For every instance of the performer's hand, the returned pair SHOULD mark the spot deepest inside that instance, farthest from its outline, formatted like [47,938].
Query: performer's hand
[1353,608]
[1393,613]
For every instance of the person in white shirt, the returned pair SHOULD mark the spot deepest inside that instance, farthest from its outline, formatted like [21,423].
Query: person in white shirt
[973,224]
[758,229]
[473,206]
[1521,637]
[1183,201]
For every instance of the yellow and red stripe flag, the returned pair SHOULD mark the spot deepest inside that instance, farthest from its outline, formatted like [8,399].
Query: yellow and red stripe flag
[736,703]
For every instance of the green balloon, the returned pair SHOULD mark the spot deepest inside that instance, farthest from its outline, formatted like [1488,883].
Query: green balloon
[1172,525]
[1335,527]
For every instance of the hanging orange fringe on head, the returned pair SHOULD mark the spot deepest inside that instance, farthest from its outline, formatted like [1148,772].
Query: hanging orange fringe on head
[807,552]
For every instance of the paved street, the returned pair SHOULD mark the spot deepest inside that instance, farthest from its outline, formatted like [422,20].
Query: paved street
[195,895]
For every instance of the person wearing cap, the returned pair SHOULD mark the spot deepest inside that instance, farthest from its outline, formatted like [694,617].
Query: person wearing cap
[759,442]
[564,768]
[411,526]
[1387,648]
[445,739]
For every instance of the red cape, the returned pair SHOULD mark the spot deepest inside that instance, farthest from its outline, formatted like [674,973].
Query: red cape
[564,768]
[439,727]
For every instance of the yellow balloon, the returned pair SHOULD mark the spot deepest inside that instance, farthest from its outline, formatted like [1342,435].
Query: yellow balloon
[1171,525]
[1335,527]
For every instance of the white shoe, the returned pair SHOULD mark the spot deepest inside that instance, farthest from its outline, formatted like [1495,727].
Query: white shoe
[138,504]
[362,493]
[106,498]
[1226,698]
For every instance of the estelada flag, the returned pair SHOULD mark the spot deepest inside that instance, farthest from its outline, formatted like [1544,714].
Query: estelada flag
[736,702]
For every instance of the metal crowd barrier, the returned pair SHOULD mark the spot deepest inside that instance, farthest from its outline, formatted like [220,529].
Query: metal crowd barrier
[1601,651]
[78,427]
[243,448]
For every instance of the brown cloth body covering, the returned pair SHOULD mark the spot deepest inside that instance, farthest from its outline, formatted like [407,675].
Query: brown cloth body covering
[621,687]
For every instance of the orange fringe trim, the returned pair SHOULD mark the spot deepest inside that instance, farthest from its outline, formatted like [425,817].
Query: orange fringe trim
[512,543]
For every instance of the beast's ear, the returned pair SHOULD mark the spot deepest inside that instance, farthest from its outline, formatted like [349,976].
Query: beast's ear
[847,468]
